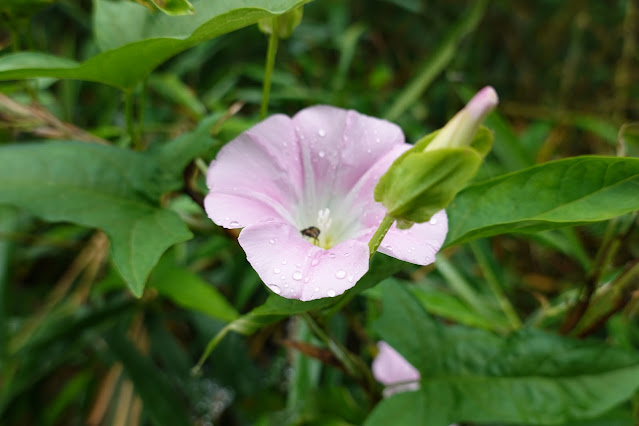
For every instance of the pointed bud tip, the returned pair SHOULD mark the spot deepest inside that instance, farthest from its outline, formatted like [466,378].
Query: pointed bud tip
[483,102]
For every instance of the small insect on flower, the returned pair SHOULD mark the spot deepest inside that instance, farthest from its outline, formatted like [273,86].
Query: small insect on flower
[311,232]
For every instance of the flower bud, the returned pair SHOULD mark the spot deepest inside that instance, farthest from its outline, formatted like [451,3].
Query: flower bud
[285,23]
[426,178]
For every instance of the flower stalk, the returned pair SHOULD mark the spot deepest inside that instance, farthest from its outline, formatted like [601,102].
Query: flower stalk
[270,64]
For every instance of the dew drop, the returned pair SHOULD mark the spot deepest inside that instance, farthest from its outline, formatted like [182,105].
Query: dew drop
[331,255]
[307,279]
[321,154]
[316,289]
[432,221]
[388,247]
[271,241]
[276,289]
[412,248]
[283,277]
[321,132]
[427,258]
[340,274]
[284,262]
[346,254]
[297,276]
[234,224]
[276,270]
[292,291]
[331,293]
[350,278]
[227,218]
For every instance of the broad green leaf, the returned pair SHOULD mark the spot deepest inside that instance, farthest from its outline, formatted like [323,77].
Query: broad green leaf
[529,377]
[105,187]
[572,191]
[189,291]
[161,401]
[135,41]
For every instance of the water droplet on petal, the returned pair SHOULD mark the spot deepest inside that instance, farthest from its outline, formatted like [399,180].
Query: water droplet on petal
[340,274]
[350,278]
[331,255]
[283,277]
[276,289]
[432,221]
[284,262]
[427,259]
[234,224]
[297,276]
[331,293]
[315,262]
[321,132]
[227,218]
[292,291]
[346,254]
[388,247]
[316,289]
[307,279]
[271,241]
[276,270]
[321,154]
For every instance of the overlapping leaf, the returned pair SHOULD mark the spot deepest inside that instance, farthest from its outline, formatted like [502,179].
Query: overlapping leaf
[566,192]
[134,40]
[105,187]
[530,377]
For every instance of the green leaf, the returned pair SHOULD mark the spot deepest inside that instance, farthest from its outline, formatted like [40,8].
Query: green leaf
[189,291]
[135,41]
[530,377]
[105,187]
[573,191]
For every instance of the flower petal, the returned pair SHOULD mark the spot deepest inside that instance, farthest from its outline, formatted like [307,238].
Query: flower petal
[342,145]
[420,243]
[259,167]
[296,269]
[391,369]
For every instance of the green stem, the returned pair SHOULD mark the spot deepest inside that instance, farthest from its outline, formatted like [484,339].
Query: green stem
[142,108]
[352,364]
[379,235]
[130,123]
[495,287]
[270,64]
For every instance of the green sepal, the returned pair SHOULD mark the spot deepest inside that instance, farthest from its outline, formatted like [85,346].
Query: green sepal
[285,23]
[421,183]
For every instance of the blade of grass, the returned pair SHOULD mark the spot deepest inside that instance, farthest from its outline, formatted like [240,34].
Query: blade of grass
[437,61]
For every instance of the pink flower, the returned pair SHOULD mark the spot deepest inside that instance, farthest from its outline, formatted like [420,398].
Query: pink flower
[302,190]
[392,370]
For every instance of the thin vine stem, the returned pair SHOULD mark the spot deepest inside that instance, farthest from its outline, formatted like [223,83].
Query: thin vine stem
[379,235]
[270,64]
